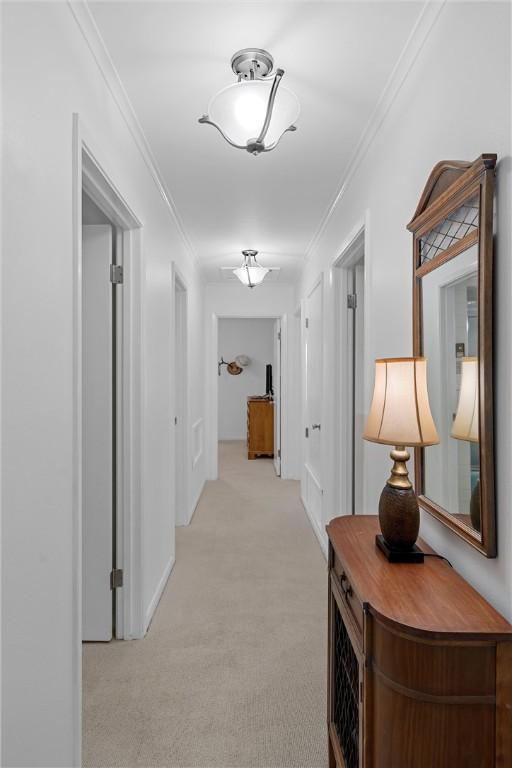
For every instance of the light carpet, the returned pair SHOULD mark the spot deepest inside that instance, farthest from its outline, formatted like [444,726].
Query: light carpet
[232,672]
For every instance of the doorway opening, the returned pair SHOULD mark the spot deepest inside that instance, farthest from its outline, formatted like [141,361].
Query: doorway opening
[181,450]
[350,344]
[101,376]
[108,408]
[248,387]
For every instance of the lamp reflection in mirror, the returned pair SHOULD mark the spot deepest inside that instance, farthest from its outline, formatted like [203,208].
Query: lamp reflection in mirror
[251,273]
[400,416]
[255,112]
[466,424]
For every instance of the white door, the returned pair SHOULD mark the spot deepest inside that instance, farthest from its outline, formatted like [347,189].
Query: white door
[276,386]
[180,378]
[313,402]
[97,400]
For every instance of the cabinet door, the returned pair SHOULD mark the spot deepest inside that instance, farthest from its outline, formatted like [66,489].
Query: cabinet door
[345,688]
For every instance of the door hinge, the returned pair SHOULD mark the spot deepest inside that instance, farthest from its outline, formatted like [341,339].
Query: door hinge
[175,420]
[116,274]
[278,453]
[361,691]
[279,335]
[352,301]
[116,578]
[306,432]
[307,322]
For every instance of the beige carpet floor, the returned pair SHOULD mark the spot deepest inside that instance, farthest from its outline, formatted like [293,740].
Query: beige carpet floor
[232,671]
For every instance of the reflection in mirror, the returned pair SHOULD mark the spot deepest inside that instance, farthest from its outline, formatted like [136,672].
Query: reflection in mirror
[450,343]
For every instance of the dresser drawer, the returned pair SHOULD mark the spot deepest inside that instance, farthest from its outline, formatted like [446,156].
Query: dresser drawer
[350,597]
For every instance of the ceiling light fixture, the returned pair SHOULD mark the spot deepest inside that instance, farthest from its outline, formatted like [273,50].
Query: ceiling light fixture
[254,113]
[251,273]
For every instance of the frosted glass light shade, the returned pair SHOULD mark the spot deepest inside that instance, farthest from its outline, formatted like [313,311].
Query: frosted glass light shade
[400,411]
[251,276]
[240,109]
[465,424]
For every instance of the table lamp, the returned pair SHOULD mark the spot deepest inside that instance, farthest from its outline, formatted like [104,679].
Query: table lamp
[400,416]
[465,425]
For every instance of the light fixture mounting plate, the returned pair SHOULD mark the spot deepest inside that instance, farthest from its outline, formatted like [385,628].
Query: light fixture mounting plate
[242,62]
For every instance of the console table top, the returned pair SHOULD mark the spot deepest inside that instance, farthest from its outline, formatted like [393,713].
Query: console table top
[429,598]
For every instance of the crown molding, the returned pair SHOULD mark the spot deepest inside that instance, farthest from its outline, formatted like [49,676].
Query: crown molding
[92,36]
[415,42]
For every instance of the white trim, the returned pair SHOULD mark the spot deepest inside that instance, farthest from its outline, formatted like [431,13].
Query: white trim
[196,501]
[153,605]
[353,249]
[321,537]
[92,36]
[415,42]
[197,427]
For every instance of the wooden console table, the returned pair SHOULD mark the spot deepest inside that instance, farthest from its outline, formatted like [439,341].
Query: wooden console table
[420,665]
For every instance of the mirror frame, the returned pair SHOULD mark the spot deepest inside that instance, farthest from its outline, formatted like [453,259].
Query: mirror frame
[449,186]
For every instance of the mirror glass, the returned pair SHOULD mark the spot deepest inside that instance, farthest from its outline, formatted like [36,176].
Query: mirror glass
[450,344]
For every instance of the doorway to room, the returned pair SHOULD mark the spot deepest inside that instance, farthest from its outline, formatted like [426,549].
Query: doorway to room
[107,406]
[249,391]
[350,385]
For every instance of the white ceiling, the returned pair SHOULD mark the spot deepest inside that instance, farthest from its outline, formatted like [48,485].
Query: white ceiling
[173,56]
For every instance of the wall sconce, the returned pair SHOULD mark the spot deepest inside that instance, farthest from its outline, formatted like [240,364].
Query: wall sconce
[236,367]
[250,114]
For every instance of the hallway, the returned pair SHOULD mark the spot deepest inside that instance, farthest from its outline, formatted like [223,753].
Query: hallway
[232,671]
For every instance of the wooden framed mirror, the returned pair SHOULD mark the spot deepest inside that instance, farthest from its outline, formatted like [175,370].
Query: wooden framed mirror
[453,328]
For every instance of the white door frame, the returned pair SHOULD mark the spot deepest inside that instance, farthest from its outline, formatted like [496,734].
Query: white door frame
[276,387]
[89,175]
[212,381]
[179,285]
[351,252]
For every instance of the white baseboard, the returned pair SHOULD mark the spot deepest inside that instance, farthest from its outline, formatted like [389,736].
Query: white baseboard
[194,504]
[320,535]
[158,594]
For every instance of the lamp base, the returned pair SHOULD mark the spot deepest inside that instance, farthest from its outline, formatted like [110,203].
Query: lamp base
[399,516]
[413,555]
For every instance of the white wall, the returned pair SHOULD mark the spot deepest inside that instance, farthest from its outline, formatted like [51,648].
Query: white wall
[254,338]
[48,74]
[268,300]
[454,104]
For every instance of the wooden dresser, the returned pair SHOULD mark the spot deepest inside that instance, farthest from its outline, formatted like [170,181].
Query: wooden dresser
[260,427]
[420,665]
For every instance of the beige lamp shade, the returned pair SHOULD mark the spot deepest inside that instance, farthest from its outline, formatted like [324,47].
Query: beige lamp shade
[465,424]
[400,411]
